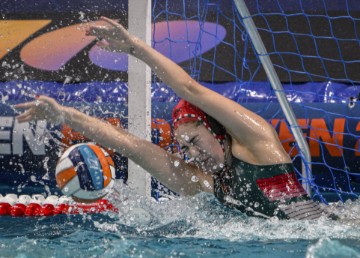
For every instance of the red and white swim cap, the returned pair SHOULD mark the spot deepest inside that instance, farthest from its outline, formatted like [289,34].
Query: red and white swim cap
[185,112]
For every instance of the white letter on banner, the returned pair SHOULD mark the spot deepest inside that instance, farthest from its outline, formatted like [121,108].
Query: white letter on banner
[23,130]
[5,121]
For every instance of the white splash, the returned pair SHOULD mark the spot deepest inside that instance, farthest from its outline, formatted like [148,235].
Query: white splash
[204,217]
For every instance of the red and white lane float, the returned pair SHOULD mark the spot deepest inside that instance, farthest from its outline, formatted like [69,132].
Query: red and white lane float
[38,205]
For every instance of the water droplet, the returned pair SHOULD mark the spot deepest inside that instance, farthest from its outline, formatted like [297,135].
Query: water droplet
[195,179]
[207,184]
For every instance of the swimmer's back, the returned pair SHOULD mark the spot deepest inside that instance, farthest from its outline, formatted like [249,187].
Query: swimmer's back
[265,191]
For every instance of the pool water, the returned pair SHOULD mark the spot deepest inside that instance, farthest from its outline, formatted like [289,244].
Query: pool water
[186,227]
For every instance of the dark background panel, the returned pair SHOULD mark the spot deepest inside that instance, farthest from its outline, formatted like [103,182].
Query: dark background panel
[332,53]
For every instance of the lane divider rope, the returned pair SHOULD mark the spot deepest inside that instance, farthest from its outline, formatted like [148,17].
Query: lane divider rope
[38,205]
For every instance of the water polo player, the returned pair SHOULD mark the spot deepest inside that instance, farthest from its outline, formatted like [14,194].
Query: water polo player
[233,153]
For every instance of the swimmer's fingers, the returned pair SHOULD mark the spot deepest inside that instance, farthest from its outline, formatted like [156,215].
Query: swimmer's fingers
[27,116]
[113,23]
[47,100]
[32,104]
[110,31]
[97,31]
[26,105]
[106,39]
[120,32]
[104,44]
[42,108]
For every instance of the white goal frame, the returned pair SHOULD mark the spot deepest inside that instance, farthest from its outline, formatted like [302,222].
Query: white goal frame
[139,92]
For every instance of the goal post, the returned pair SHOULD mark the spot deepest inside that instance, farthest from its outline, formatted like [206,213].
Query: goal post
[139,92]
[279,90]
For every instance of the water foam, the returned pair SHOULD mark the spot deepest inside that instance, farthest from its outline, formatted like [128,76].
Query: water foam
[203,217]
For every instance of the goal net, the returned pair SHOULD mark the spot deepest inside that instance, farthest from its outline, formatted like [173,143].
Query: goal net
[315,49]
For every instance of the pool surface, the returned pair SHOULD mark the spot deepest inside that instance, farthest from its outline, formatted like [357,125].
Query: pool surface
[186,227]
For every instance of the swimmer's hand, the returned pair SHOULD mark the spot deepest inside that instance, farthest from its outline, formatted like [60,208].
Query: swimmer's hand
[112,37]
[42,108]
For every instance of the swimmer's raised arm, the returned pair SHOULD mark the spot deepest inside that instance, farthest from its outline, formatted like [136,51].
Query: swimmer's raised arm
[251,134]
[167,168]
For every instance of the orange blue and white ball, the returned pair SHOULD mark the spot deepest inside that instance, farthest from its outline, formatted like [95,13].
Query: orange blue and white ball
[86,172]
